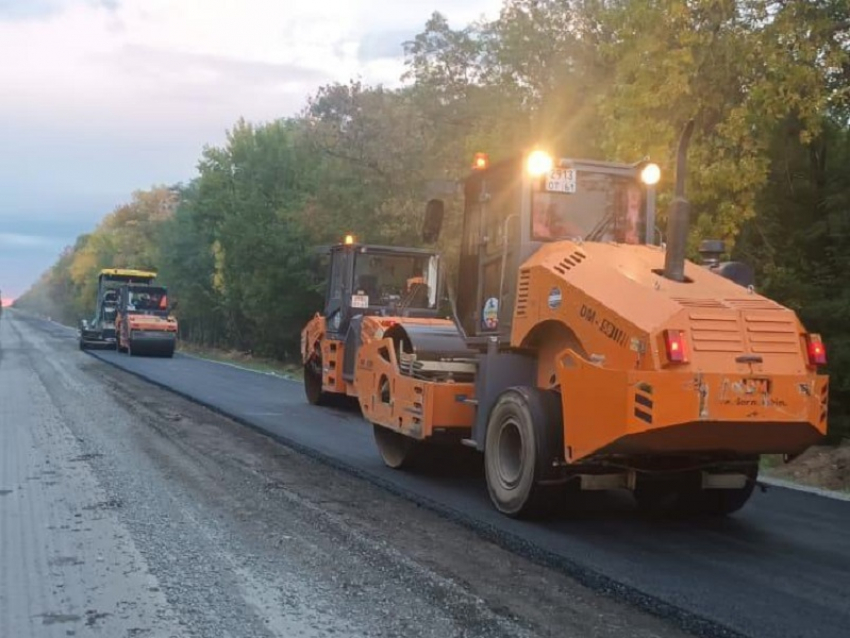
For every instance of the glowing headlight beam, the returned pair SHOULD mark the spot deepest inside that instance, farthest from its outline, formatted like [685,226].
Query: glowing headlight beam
[539,163]
[650,175]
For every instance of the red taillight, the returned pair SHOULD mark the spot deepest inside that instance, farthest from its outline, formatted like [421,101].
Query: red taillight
[674,340]
[816,350]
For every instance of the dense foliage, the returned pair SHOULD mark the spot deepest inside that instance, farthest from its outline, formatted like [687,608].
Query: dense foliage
[765,80]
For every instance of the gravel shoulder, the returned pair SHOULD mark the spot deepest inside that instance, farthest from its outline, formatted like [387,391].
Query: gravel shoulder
[170,520]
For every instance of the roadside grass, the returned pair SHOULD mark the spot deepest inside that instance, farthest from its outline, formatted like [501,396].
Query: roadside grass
[244,360]
[771,461]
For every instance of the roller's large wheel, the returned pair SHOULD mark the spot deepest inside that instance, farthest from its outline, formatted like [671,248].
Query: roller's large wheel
[657,498]
[313,379]
[524,438]
[397,450]
[169,351]
[721,502]
[687,499]
[164,350]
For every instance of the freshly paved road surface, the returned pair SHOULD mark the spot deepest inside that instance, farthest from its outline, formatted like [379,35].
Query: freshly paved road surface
[781,567]
[129,512]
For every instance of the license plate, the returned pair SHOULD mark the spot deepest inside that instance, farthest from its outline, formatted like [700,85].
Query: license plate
[359,301]
[561,180]
[756,386]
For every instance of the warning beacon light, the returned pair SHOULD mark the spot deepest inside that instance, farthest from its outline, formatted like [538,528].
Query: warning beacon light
[539,163]
[650,175]
[480,162]
[349,239]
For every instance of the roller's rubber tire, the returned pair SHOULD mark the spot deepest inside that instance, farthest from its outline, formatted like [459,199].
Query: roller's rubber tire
[524,441]
[689,501]
[313,384]
[657,499]
[718,503]
[397,450]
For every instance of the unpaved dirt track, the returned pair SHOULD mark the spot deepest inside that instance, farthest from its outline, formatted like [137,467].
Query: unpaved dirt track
[779,568]
[126,511]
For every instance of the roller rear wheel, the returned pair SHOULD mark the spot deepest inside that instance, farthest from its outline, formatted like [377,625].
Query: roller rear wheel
[313,381]
[397,450]
[684,498]
[524,439]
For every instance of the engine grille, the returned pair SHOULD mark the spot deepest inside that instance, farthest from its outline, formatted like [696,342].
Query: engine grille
[716,332]
[522,292]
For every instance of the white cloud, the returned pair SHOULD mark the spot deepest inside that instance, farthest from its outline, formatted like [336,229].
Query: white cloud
[102,97]
[88,58]
[17,240]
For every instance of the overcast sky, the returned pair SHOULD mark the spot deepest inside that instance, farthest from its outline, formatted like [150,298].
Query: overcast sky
[99,98]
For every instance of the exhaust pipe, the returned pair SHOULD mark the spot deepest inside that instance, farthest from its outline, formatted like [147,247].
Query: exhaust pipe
[680,212]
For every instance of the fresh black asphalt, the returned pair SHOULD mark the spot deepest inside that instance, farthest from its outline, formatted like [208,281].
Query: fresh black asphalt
[780,567]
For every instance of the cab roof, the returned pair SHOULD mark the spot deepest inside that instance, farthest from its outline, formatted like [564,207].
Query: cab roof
[127,272]
[375,248]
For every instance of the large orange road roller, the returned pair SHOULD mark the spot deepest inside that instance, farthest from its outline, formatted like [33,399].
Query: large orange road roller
[580,354]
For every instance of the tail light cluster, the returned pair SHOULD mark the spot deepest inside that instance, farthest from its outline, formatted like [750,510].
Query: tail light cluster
[675,346]
[816,350]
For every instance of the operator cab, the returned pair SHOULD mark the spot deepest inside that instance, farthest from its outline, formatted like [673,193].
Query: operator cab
[144,300]
[110,305]
[379,280]
[512,208]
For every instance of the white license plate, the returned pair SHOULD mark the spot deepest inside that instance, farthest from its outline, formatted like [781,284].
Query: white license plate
[359,301]
[561,180]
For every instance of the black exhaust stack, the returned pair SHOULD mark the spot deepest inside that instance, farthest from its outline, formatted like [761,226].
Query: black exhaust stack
[680,212]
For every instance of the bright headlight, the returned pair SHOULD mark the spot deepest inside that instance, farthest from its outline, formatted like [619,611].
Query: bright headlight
[650,175]
[539,163]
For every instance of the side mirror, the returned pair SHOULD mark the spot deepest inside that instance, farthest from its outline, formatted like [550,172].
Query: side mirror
[711,250]
[433,222]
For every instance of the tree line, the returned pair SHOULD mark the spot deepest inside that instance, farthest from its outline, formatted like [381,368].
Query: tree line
[766,81]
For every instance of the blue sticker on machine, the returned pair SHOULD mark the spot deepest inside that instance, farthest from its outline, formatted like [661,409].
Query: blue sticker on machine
[490,316]
[554,298]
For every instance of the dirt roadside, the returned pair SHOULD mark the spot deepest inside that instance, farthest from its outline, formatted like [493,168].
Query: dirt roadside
[822,466]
